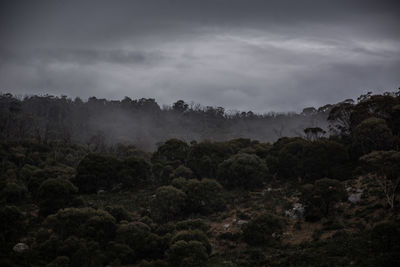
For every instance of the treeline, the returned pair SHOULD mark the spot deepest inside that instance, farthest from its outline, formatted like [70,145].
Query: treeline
[119,205]
[142,122]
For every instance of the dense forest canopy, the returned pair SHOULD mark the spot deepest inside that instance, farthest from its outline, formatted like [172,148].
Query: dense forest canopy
[143,122]
[71,197]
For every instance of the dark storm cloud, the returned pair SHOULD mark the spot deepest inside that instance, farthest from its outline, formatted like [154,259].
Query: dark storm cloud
[259,55]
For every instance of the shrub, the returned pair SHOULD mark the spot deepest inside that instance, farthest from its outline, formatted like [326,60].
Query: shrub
[61,261]
[139,237]
[184,172]
[168,204]
[320,198]
[55,194]
[171,150]
[205,196]
[263,230]
[119,213]
[97,171]
[97,225]
[14,193]
[192,224]
[372,134]
[242,171]
[193,235]
[12,226]
[118,254]
[187,253]
[136,172]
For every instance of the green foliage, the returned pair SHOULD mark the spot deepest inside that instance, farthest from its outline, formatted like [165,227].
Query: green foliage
[96,172]
[12,226]
[311,160]
[119,213]
[192,224]
[97,225]
[162,173]
[136,172]
[204,197]
[193,235]
[54,194]
[187,253]
[184,172]
[265,229]
[14,192]
[385,165]
[120,254]
[384,239]
[204,157]
[168,204]
[61,261]
[320,198]
[242,171]
[372,134]
[138,236]
[171,150]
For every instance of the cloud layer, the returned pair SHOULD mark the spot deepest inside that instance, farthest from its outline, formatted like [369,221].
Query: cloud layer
[251,55]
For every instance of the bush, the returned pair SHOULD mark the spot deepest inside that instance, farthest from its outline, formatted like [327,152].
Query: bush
[242,171]
[204,158]
[55,194]
[61,261]
[372,134]
[12,226]
[192,224]
[193,235]
[97,225]
[136,172]
[320,198]
[97,171]
[168,204]
[119,213]
[263,230]
[204,197]
[14,193]
[139,237]
[118,254]
[184,172]
[187,253]
[171,150]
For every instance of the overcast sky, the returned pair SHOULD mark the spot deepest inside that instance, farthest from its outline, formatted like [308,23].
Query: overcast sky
[246,55]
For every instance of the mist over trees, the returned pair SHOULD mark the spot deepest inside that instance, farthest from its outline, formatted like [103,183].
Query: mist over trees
[99,122]
[327,197]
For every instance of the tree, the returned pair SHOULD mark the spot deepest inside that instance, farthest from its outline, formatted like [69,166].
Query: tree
[372,134]
[12,227]
[136,172]
[55,194]
[242,171]
[320,198]
[183,171]
[187,253]
[88,223]
[339,117]
[168,203]
[314,133]
[385,166]
[193,235]
[138,236]
[171,150]
[263,230]
[204,197]
[97,171]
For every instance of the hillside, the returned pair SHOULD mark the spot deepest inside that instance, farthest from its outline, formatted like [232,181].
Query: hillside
[319,199]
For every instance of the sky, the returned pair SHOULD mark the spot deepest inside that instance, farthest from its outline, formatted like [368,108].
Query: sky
[280,55]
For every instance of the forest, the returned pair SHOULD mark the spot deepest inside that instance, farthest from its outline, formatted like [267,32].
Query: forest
[129,183]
